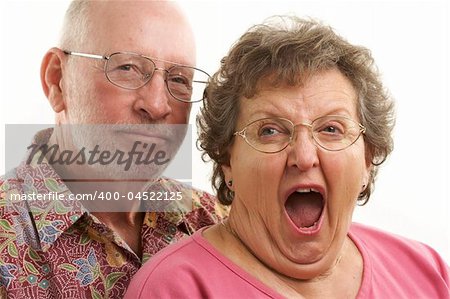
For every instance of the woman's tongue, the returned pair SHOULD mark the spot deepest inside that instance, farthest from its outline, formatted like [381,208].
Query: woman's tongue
[304,209]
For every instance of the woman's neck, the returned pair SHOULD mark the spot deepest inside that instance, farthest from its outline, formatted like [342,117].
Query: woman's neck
[341,280]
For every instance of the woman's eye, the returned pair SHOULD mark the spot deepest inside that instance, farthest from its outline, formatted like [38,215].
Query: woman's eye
[268,131]
[332,129]
[273,130]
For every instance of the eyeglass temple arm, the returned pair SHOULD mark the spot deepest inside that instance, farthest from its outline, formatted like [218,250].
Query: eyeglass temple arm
[85,55]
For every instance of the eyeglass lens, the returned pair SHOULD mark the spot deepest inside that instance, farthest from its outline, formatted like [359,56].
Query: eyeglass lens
[132,71]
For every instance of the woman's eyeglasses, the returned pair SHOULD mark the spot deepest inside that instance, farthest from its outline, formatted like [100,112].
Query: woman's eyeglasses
[330,132]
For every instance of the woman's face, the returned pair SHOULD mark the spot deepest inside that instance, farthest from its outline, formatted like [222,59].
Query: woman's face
[293,208]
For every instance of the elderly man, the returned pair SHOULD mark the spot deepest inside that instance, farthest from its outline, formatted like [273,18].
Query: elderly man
[124,63]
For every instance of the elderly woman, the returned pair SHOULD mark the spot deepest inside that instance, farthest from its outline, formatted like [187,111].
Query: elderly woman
[297,122]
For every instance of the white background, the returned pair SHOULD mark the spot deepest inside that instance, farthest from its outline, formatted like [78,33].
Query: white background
[409,41]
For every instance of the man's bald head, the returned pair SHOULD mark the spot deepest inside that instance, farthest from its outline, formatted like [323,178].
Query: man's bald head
[78,88]
[90,25]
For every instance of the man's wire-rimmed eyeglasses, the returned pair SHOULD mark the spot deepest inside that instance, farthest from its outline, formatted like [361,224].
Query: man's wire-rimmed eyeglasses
[132,71]
[330,132]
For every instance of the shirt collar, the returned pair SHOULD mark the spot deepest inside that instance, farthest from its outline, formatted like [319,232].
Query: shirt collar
[53,217]
[39,181]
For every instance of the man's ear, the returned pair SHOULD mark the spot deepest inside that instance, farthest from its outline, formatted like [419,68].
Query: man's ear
[51,77]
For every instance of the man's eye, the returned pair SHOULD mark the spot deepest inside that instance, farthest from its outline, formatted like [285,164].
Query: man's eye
[179,80]
[126,67]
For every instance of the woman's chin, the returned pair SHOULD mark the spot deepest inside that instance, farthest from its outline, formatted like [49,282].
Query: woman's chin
[306,259]
[307,270]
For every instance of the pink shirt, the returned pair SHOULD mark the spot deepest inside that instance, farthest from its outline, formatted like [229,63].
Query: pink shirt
[394,267]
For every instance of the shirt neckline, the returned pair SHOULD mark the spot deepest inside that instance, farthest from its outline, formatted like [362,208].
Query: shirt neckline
[363,292]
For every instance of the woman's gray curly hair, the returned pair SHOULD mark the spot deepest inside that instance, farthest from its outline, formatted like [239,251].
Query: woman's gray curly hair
[289,50]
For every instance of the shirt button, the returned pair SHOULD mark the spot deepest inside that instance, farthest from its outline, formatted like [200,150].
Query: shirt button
[171,229]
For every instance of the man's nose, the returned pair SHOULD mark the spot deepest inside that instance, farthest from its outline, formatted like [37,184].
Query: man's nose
[154,98]
[303,150]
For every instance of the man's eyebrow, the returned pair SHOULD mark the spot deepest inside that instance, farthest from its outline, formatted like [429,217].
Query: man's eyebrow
[164,60]
[106,56]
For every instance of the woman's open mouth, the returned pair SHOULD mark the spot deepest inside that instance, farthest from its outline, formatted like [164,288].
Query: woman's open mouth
[305,207]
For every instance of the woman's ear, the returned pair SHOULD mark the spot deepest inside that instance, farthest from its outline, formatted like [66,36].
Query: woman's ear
[367,175]
[51,77]
[228,176]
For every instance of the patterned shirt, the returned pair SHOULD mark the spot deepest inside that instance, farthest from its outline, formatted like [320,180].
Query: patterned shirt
[57,249]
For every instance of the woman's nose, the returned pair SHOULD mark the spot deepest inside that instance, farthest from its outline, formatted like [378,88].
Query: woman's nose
[302,150]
